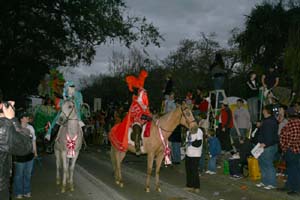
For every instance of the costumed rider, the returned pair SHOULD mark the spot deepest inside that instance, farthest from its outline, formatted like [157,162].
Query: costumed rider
[139,108]
[69,93]
[138,114]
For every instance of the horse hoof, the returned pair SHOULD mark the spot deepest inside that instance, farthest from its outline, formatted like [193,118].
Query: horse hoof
[63,190]
[118,182]
[147,189]
[72,188]
[158,189]
[121,185]
[57,182]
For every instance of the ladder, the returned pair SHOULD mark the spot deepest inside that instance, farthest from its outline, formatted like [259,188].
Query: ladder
[212,112]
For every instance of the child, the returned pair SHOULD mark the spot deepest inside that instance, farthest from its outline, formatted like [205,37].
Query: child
[244,151]
[214,148]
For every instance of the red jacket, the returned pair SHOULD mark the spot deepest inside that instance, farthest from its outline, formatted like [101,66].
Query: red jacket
[203,106]
[226,120]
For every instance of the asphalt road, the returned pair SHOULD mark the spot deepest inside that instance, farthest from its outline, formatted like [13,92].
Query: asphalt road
[94,181]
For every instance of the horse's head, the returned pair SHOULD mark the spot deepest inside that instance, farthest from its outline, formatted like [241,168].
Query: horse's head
[68,111]
[187,119]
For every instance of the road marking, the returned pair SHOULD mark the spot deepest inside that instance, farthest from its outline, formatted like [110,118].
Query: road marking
[94,188]
[140,178]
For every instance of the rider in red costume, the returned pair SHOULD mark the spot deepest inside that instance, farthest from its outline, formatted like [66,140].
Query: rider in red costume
[138,112]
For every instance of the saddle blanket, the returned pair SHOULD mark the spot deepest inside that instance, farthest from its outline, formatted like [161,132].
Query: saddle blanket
[145,133]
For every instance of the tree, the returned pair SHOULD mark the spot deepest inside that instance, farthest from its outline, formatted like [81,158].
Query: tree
[189,63]
[291,58]
[35,35]
[265,35]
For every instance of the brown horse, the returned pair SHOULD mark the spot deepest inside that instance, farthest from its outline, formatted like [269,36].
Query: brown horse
[153,145]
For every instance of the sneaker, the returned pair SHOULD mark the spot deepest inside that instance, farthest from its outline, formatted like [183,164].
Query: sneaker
[212,173]
[188,189]
[196,190]
[237,176]
[19,196]
[207,172]
[269,187]
[27,195]
[260,185]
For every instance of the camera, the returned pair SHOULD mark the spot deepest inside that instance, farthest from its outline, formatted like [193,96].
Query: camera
[6,104]
[276,110]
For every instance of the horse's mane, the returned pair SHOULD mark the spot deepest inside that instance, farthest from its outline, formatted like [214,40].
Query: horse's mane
[167,115]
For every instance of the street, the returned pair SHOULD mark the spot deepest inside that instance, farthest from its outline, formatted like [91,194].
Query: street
[94,180]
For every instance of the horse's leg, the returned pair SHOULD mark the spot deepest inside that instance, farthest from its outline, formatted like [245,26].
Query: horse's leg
[65,170]
[58,164]
[72,166]
[150,159]
[121,158]
[114,160]
[158,161]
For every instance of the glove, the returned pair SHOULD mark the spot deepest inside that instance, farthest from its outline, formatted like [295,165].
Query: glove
[146,117]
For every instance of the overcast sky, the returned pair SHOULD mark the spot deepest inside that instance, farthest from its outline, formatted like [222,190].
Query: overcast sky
[177,20]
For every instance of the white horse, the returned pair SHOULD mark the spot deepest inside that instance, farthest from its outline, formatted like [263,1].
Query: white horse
[67,144]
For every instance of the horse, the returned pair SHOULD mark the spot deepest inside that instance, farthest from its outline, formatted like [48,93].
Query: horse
[155,144]
[67,144]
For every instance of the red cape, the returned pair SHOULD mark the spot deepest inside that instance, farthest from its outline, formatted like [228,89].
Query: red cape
[118,135]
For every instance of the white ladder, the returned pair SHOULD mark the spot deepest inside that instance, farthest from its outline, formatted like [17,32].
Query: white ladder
[214,111]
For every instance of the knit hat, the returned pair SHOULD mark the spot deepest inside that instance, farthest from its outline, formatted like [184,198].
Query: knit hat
[225,102]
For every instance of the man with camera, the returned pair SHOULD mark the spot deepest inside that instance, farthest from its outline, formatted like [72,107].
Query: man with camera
[14,140]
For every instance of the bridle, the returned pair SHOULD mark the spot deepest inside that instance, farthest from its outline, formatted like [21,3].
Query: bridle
[185,117]
[68,116]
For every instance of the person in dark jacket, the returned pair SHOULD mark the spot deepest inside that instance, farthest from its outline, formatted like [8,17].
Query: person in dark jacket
[218,72]
[168,87]
[252,96]
[268,139]
[175,140]
[13,141]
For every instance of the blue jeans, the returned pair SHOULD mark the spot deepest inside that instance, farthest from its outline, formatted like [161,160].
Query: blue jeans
[293,171]
[212,164]
[268,172]
[202,160]
[253,108]
[176,154]
[22,179]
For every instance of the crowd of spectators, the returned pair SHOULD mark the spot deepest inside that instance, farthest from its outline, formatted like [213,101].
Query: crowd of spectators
[277,131]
